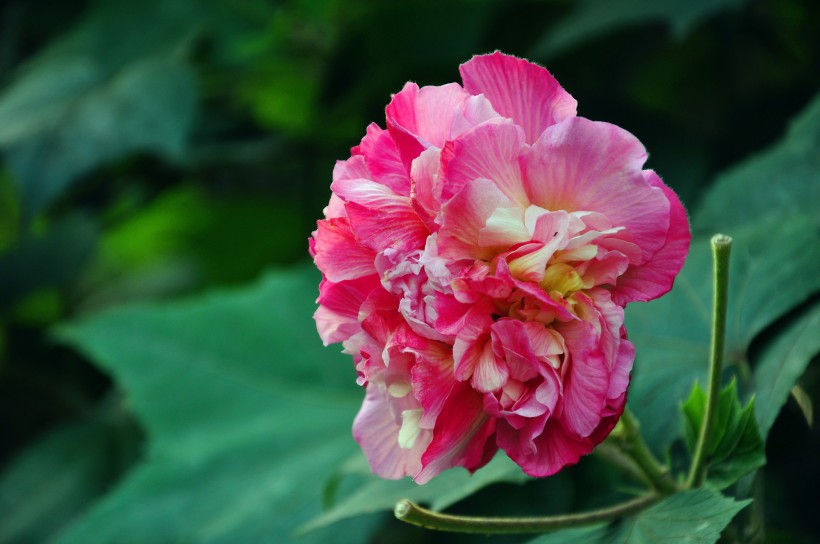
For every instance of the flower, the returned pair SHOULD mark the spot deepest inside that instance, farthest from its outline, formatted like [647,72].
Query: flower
[477,256]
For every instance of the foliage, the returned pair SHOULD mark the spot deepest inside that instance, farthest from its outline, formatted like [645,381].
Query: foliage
[164,163]
[735,445]
[680,518]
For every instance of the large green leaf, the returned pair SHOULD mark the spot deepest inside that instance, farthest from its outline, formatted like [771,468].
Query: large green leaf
[781,363]
[245,411]
[593,18]
[376,495]
[735,446]
[695,516]
[111,86]
[783,181]
[148,105]
[768,277]
[59,476]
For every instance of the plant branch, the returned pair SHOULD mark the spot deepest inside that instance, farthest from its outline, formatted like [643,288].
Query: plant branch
[410,512]
[635,446]
[613,453]
[721,249]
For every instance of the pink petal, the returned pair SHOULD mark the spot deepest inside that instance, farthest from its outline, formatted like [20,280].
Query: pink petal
[376,429]
[425,192]
[619,380]
[582,165]
[596,306]
[454,316]
[335,208]
[337,317]
[383,160]
[554,448]
[434,112]
[379,218]
[378,315]
[512,345]
[504,228]
[489,372]
[519,90]
[586,378]
[655,277]
[337,253]
[473,347]
[462,435]
[401,123]
[420,118]
[489,151]
[433,380]
[353,168]
[465,215]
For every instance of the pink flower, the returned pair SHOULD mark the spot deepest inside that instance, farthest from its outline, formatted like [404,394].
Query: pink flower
[476,258]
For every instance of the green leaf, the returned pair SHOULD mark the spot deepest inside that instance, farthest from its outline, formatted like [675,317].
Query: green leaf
[245,411]
[376,495]
[781,363]
[735,447]
[55,479]
[694,516]
[112,85]
[804,402]
[781,181]
[593,18]
[148,105]
[768,277]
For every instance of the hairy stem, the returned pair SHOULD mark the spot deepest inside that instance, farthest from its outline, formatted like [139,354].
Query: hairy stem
[721,248]
[412,513]
[635,446]
[613,453]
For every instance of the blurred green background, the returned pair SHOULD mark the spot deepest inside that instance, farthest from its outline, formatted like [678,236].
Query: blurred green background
[156,151]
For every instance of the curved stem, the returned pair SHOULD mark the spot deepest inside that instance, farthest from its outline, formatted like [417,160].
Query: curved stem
[635,446]
[721,248]
[410,512]
[614,454]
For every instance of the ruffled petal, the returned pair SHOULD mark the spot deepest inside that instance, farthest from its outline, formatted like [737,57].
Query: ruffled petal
[465,215]
[582,165]
[337,253]
[553,449]
[586,378]
[383,160]
[377,427]
[489,151]
[353,168]
[433,380]
[337,317]
[519,90]
[379,218]
[425,192]
[461,437]
[655,277]
[419,118]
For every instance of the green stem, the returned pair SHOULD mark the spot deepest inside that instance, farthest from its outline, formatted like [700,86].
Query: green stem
[613,453]
[414,514]
[635,446]
[721,248]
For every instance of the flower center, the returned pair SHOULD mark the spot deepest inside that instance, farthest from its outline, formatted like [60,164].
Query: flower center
[562,278]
